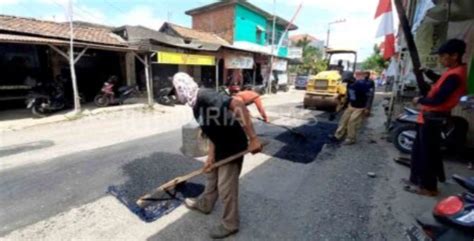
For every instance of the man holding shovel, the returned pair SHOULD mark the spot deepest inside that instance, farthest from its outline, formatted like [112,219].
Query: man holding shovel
[226,122]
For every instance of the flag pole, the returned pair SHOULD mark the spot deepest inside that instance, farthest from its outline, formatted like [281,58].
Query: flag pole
[412,49]
[280,41]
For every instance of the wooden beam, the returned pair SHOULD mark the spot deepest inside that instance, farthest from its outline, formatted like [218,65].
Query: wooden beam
[139,58]
[149,85]
[80,54]
[59,51]
[422,85]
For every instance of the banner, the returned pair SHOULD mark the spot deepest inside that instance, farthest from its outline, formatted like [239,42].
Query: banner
[295,53]
[239,62]
[421,9]
[280,64]
[184,59]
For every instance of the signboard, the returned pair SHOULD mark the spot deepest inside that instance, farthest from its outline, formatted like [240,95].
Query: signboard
[280,64]
[184,59]
[239,62]
[295,53]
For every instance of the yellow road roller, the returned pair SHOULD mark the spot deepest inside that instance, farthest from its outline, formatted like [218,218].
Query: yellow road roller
[326,90]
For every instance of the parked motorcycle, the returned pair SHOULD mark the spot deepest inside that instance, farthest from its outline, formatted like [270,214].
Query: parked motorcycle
[43,100]
[453,135]
[451,219]
[108,97]
[167,97]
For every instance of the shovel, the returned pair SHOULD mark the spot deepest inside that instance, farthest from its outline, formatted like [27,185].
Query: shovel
[158,192]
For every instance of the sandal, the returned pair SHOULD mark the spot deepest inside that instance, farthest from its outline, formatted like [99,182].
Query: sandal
[407,182]
[420,191]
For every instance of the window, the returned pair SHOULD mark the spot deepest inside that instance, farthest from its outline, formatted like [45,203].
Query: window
[259,36]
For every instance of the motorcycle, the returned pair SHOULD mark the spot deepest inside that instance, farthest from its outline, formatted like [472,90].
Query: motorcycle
[107,95]
[453,134]
[43,102]
[167,97]
[451,219]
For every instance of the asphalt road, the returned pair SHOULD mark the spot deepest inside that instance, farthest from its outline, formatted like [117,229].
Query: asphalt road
[35,192]
[326,196]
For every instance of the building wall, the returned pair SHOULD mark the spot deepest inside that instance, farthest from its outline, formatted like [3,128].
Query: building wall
[219,21]
[283,52]
[246,24]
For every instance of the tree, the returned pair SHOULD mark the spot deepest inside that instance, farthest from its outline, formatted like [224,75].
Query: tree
[375,61]
[313,62]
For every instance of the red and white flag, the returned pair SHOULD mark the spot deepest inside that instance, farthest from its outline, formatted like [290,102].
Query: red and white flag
[386,28]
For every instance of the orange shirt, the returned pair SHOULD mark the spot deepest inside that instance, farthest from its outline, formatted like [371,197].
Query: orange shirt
[249,97]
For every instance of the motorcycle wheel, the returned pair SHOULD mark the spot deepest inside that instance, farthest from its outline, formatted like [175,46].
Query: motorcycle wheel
[101,101]
[274,89]
[37,111]
[402,143]
[166,100]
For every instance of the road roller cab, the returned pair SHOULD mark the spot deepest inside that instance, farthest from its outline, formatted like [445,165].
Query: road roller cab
[327,89]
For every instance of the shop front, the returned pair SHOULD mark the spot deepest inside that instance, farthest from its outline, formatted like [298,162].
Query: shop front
[240,69]
[433,24]
[165,64]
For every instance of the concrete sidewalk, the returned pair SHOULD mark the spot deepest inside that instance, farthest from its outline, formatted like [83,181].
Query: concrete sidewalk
[18,120]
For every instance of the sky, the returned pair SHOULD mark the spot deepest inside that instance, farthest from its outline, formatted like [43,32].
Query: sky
[357,32]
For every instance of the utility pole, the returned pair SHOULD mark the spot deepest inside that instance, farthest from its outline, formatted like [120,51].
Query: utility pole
[329,30]
[270,68]
[77,102]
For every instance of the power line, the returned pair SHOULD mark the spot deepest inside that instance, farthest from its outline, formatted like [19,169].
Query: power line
[81,12]
[114,7]
[92,15]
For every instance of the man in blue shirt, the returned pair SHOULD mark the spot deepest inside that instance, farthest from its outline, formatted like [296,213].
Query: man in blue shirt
[359,97]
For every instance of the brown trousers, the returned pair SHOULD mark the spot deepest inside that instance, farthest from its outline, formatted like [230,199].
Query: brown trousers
[350,122]
[224,183]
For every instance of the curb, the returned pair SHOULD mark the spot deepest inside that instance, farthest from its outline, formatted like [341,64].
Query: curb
[71,116]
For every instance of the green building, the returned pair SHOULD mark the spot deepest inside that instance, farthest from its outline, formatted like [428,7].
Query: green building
[243,25]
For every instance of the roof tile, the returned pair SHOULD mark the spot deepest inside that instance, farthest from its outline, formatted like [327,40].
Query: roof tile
[199,35]
[101,35]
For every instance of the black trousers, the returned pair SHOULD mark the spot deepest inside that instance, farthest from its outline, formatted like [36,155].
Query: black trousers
[427,160]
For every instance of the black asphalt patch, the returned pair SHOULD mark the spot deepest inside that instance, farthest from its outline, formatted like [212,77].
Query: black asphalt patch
[146,174]
[162,205]
[288,146]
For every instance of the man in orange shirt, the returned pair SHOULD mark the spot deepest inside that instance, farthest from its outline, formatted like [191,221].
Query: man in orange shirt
[249,97]
[443,96]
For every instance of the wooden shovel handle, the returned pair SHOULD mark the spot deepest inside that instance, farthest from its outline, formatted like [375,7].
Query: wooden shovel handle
[172,183]
[180,179]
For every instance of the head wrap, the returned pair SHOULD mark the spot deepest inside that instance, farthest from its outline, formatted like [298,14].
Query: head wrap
[186,88]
